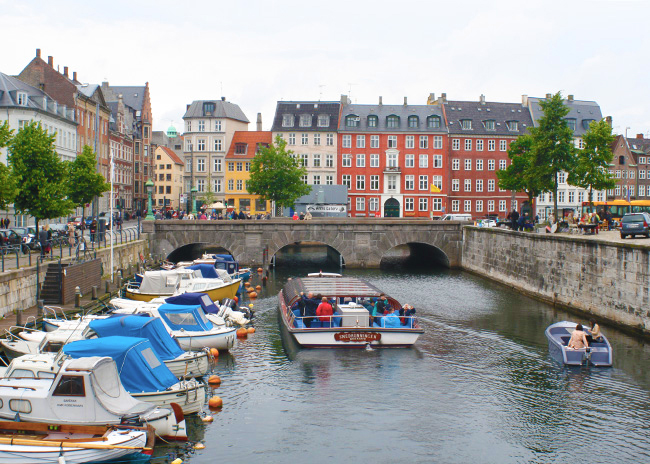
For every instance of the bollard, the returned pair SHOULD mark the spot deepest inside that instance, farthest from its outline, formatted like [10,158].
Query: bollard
[94,290]
[107,286]
[39,309]
[77,297]
[118,281]
[129,270]
[19,317]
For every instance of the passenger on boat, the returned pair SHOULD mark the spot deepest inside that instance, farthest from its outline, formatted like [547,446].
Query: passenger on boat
[324,310]
[406,313]
[310,306]
[578,339]
[379,309]
[390,319]
[594,333]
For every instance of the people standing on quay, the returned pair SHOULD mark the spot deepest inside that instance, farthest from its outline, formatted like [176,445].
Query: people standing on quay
[514,218]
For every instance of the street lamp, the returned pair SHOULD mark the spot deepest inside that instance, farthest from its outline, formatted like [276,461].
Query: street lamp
[149,187]
[193,191]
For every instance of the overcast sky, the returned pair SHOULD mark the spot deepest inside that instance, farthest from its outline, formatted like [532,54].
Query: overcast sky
[258,52]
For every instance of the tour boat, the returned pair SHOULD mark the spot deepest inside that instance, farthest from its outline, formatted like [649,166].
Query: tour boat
[176,281]
[38,443]
[598,354]
[350,325]
[83,391]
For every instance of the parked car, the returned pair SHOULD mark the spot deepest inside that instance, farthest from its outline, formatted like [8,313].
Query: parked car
[456,217]
[76,221]
[28,237]
[635,224]
[59,230]
[9,238]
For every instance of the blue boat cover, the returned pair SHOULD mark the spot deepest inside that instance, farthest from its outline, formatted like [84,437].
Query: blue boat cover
[186,317]
[194,299]
[224,257]
[140,327]
[207,271]
[139,367]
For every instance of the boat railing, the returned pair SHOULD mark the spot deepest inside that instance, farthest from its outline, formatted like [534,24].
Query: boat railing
[336,321]
[53,310]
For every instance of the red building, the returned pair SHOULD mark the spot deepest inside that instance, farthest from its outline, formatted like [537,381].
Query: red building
[393,159]
[121,153]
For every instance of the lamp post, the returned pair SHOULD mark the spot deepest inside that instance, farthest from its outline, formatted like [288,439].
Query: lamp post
[149,187]
[193,191]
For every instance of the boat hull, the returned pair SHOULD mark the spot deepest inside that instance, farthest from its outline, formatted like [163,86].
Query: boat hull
[194,341]
[191,364]
[189,397]
[226,291]
[558,335]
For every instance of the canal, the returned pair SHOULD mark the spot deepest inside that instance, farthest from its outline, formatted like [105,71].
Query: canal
[478,387]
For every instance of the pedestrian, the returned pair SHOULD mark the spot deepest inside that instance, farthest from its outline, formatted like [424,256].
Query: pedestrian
[595,219]
[514,217]
[42,240]
[71,235]
[93,230]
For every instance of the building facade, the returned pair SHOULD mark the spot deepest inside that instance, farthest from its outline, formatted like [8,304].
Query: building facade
[121,156]
[168,179]
[209,128]
[243,148]
[630,168]
[393,159]
[310,130]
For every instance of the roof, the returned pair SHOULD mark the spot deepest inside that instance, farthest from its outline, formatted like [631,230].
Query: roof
[383,111]
[582,111]
[639,145]
[172,154]
[481,112]
[222,109]
[330,287]
[312,108]
[133,95]
[250,139]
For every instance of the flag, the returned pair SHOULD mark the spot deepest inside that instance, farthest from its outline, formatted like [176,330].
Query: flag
[435,189]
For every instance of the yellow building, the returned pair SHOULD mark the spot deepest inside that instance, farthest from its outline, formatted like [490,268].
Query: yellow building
[168,179]
[242,150]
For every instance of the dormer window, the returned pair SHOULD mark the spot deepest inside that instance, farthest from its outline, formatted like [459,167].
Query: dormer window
[240,148]
[21,99]
[323,120]
[414,122]
[621,160]
[586,123]
[305,120]
[513,126]
[287,120]
[571,123]
[489,125]
[208,108]
[466,124]
[351,120]
[433,122]
[373,121]
[392,121]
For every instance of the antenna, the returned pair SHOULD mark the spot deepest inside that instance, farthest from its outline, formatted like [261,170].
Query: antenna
[350,84]
[221,85]
[320,93]
[626,131]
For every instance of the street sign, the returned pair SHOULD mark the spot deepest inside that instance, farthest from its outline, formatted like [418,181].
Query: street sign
[182,198]
[326,208]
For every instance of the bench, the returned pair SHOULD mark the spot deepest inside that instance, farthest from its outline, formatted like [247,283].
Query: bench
[588,229]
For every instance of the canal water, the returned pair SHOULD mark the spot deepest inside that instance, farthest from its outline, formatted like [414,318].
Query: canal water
[478,386]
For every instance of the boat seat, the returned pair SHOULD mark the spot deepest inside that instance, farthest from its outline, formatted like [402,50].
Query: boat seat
[325,324]
[336,321]
[315,324]
[296,312]
[298,324]
[565,340]
[408,323]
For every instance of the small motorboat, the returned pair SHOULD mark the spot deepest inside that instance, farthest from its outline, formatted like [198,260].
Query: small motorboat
[227,263]
[38,443]
[36,341]
[598,354]
[227,311]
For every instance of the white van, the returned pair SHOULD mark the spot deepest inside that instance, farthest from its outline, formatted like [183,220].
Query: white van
[456,217]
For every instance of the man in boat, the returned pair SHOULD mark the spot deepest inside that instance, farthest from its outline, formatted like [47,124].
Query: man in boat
[406,313]
[310,305]
[325,310]
[578,339]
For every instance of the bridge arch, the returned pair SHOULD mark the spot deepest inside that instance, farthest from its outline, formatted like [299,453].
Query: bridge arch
[415,254]
[307,254]
[191,251]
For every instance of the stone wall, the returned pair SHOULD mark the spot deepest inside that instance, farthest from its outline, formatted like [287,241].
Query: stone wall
[18,287]
[607,279]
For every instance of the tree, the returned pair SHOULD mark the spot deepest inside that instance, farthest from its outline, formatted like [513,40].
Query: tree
[591,169]
[85,183]
[5,134]
[42,176]
[209,195]
[552,147]
[8,181]
[276,175]
[521,175]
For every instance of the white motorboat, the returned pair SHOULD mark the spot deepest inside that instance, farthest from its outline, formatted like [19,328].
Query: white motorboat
[36,341]
[350,326]
[84,391]
[597,354]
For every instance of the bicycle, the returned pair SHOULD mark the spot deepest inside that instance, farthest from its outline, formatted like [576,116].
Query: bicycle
[82,248]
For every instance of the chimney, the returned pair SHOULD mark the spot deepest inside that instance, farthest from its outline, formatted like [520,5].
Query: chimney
[524,100]
[442,99]
[223,99]
[608,119]
[482,99]
[50,61]
[570,98]
[405,102]
[380,101]
[431,99]
[639,136]
[65,71]
[187,107]
[259,122]
[548,95]
[74,75]
[345,100]
[38,53]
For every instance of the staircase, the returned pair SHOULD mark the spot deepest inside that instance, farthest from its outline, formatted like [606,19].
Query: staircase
[51,289]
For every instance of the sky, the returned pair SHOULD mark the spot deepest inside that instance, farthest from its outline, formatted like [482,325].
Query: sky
[256,53]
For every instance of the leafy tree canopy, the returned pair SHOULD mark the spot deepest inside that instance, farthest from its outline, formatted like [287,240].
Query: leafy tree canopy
[5,134]
[8,181]
[276,175]
[521,175]
[85,183]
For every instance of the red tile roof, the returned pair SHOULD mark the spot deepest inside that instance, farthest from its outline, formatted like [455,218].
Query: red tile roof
[172,155]
[251,139]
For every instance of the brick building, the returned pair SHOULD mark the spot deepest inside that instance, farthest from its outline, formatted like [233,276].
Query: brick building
[393,159]
[630,168]
[121,154]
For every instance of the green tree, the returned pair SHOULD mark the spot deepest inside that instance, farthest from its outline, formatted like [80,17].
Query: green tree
[591,169]
[276,175]
[85,183]
[42,190]
[5,134]
[521,175]
[209,195]
[552,147]
[8,181]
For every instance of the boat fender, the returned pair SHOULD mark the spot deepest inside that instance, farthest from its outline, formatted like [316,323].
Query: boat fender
[177,461]
[251,330]
[215,402]
[214,380]
[199,446]
[61,460]
[242,333]
[207,419]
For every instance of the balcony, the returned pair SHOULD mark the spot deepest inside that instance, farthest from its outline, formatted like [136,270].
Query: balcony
[392,170]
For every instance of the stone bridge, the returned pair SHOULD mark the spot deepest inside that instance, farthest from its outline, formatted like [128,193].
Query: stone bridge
[361,242]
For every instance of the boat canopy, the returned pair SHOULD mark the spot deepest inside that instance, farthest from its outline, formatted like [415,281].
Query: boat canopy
[160,282]
[330,287]
[226,262]
[139,367]
[194,299]
[140,327]
[207,271]
[185,317]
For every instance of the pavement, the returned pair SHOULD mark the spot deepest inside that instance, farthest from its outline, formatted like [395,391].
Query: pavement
[614,236]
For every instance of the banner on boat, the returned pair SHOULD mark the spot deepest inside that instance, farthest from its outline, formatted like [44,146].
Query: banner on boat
[357,337]
[327,208]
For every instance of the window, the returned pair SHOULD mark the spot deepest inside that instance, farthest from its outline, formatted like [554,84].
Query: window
[503,145]
[316,180]
[218,145]
[433,122]
[231,167]
[641,190]
[374,182]
[455,185]
[323,120]
[641,159]
[455,206]
[316,139]
[329,180]
[424,142]
[424,182]
[468,144]
[561,177]
[491,145]
[21,98]
[231,184]
[491,185]
[361,204]
[642,174]
[571,123]
[423,204]
[392,141]
[466,124]
[437,204]
[437,181]
[455,144]
[455,164]
[479,185]
[489,124]
[200,185]
[409,161]
[305,120]
[240,167]
[361,141]
[330,140]
[392,121]
[292,139]
[490,206]
[201,126]
[618,190]
[391,182]
[216,165]
[374,161]
[391,160]
[424,161]
[352,120]
[188,124]
[329,161]
[581,196]
[200,165]
[69,385]
[631,174]
[373,204]
[513,126]
[200,145]
[413,121]
[316,160]
[631,187]
[346,161]
[217,125]
[437,141]
[361,160]
[502,164]
[216,185]
[437,161]
[618,174]
[479,145]
[560,196]
[502,205]
[287,120]
[572,196]
[373,121]
[361,182]
[410,141]
[408,204]
[346,180]
[304,160]
[374,141]
[304,179]
[491,165]
[468,185]
[409,182]
[468,165]
[347,141]
[304,139]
